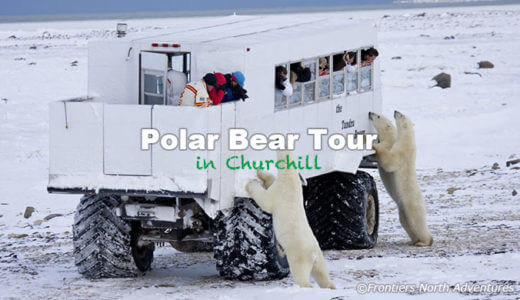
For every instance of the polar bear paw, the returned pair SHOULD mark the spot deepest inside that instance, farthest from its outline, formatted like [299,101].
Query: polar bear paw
[421,243]
[304,284]
[330,286]
[266,178]
[427,243]
[249,185]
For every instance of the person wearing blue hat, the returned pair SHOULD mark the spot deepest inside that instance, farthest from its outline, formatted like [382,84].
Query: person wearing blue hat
[238,77]
[234,89]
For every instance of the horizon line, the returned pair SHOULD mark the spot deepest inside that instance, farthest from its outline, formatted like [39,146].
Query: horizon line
[248,11]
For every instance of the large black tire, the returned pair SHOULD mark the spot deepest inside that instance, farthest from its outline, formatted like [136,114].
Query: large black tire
[343,210]
[245,246]
[105,245]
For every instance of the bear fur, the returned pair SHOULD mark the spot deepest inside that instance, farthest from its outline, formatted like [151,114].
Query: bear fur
[283,198]
[387,134]
[396,155]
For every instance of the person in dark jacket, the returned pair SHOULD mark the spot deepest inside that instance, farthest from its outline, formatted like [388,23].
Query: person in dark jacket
[234,89]
[300,73]
[217,94]
[368,56]
[282,83]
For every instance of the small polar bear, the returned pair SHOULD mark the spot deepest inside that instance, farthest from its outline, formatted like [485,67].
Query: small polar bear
[396,155]
[283,198]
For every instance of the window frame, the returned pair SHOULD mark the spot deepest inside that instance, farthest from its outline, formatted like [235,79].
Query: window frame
[156,73]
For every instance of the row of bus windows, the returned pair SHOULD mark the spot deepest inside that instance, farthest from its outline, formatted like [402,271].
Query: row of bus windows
[317,79]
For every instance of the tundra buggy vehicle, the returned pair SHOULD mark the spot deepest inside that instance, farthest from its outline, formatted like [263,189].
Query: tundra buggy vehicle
[135,198]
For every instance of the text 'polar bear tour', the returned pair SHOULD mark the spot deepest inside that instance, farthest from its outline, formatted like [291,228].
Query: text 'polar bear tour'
[240,139]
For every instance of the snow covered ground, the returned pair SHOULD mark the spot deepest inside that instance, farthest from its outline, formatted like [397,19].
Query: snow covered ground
[461,132]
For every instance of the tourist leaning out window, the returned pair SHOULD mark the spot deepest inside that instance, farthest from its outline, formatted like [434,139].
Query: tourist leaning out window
[283,86]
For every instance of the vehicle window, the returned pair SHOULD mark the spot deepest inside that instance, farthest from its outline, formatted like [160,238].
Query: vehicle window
[153,84]
[323,77]
[296,81]
[177,62]
[282,88]
[352,71]
[303,78]
[180,62]
[368,56]
[338,74]
[153,87]
[309,87]
[366,78]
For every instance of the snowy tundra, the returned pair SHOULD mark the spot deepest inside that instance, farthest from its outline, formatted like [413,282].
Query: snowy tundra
[461,132]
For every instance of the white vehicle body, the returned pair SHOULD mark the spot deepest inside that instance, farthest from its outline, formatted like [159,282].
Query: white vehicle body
[95,143]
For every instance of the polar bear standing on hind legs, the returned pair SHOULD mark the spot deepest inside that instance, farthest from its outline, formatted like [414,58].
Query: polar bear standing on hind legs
[396,155]
[283,198]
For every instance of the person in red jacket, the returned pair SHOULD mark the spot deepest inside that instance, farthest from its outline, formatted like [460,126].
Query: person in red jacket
[217,93]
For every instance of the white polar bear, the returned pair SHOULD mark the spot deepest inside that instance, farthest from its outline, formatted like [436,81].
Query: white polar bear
[284,200]
[387,134]
[396,155]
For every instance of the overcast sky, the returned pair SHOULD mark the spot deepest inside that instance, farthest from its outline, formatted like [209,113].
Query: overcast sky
[52,7]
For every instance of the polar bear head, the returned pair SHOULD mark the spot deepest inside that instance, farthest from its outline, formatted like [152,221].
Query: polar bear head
[402,121]
[405,129]
[385,128]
